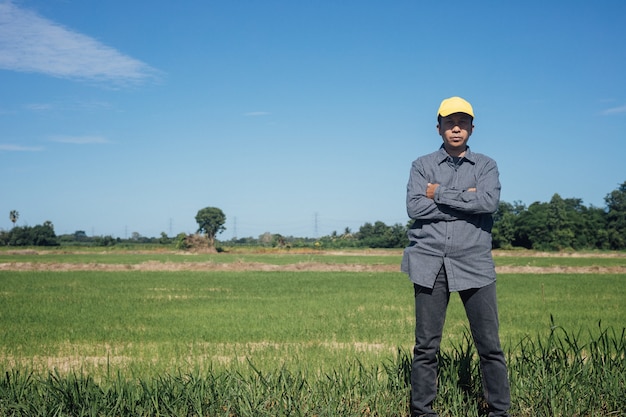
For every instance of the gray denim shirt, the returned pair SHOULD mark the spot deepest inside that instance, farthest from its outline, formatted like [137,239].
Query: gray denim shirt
[454,228]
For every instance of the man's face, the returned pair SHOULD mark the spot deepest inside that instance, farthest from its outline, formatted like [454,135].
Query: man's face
[455,130]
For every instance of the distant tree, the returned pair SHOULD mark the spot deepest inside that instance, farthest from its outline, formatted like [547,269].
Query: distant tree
[43,235]
[107,240]
[40,235]
[596,226]
[21,236]
[531,231]
[371,235]
[278,241]
[181,241]
[587,224]
[503,233]
[265,239]
[379,235]
[164,240]
[547,226]
[14,215]
[560,233]
[616,217]
[557,225]
[210,222]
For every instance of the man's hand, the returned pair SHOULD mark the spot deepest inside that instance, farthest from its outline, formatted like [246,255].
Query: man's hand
[430,190]
[472,190]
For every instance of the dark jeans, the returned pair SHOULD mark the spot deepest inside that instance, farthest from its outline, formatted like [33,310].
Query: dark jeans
[482,313]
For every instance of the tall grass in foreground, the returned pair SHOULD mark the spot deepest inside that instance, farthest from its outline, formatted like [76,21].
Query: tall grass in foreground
[550,376]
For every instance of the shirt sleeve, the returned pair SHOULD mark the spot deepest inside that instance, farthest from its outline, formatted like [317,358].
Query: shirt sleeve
[484,200]
[420,207]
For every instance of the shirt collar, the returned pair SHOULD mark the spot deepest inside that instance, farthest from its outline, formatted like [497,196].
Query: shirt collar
[443,155]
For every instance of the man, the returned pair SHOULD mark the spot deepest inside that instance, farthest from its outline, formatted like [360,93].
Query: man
[452,194]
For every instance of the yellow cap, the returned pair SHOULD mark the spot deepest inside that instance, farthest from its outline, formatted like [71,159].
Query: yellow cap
[455,105]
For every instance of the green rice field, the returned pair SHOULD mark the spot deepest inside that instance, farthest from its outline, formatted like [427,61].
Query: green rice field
[261,329]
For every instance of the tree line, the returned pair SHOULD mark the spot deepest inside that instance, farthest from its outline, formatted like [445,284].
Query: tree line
[560,224]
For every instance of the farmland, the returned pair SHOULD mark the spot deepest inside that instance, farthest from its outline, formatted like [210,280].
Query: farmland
[107,316]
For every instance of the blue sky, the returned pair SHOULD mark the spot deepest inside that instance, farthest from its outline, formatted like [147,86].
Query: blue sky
[295,117]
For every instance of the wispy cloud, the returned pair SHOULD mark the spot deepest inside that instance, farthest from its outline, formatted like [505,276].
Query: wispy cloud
[30,43]
[18,148]
[615,110]
[38,106]
[256,113]
[80,140]
[82,105]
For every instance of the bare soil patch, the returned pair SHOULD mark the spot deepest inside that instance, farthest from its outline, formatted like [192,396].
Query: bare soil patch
[301,266]
[306,266]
